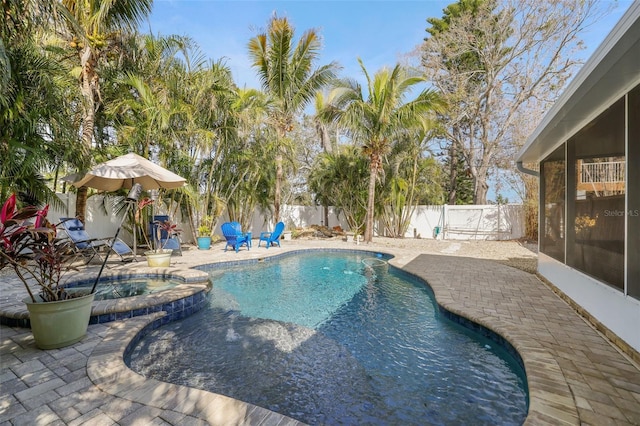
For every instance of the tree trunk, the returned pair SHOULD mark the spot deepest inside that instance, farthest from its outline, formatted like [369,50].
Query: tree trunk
[87,79]
[325,140]
[453,173]
[325,210]
[81,202]
[277,196]
[481,189]
[373,167]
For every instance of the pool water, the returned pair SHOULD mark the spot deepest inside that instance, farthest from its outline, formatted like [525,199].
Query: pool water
[335,338]
[129,287]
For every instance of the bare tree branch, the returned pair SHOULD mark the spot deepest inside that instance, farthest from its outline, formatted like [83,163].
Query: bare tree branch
[492,62]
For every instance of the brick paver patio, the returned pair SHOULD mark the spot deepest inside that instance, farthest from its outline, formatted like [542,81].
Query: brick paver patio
[575,375]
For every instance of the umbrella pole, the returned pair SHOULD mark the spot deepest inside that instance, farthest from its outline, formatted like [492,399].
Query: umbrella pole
[135,243]
[135,227]
[132,199]
[154,226]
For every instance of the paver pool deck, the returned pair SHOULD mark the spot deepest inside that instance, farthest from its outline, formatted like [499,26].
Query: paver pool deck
[575,375]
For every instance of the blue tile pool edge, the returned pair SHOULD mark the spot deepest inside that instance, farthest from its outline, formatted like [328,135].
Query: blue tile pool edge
[167,318]
[177,308]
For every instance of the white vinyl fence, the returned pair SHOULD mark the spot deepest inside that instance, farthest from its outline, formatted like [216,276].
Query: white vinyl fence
[469,222]
[101,221]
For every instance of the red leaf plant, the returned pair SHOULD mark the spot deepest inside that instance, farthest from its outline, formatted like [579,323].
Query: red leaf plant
[171,229]
[28,244]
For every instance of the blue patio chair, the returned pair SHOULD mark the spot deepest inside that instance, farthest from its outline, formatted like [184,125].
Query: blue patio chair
[89,247]
[234,236]
[238,228]
[272,237]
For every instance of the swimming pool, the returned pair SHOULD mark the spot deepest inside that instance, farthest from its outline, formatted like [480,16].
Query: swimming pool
[326,338]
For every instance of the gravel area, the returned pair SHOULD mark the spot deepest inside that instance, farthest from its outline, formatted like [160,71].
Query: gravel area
[518,254]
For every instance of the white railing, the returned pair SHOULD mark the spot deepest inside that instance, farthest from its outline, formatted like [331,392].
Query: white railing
[609,172]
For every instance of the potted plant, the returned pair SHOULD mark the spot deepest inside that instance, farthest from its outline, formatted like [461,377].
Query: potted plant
[159,256]
[59,317]
[204,233]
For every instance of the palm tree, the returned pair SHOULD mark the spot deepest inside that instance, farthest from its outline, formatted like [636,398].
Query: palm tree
[329,145]
[156,103]
[252,155]
[94,29]
[377,120]
[287,76]
[412,177]
[179,106]
[321,127]
[339,179]
[35,126]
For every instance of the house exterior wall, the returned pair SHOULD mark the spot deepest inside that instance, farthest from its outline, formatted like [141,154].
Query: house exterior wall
[590,234]
[590,217]
[633,200]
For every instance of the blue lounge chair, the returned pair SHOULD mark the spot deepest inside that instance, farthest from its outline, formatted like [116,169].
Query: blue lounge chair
[234,236]
[89,247]
[272,237]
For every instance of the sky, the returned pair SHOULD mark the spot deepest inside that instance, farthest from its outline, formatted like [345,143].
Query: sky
[380,32]
[376,31]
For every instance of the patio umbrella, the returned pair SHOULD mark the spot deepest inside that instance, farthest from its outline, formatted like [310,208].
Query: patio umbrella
[124,171]
[127,170]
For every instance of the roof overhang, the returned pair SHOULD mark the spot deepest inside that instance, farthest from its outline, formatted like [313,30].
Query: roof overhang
[612,70]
